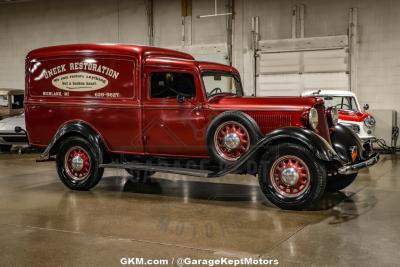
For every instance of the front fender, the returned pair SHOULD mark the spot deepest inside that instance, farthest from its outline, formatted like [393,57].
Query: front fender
[321,148]
[79,128]
[315,143]
[343,138]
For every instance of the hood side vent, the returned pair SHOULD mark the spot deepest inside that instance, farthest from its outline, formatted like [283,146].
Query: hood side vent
[271,121]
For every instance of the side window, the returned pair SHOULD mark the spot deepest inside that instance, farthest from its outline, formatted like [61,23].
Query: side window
[171,84]
[17,102]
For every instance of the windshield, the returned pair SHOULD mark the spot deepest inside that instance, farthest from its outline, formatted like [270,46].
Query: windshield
[221,83]
[340,102]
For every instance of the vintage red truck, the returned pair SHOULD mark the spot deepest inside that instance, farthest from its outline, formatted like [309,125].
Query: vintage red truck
[147,109]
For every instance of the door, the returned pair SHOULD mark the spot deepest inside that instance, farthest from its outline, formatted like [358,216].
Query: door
[173,125]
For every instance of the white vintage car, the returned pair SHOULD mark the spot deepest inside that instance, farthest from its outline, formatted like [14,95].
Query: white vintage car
[8,136]
[350,113]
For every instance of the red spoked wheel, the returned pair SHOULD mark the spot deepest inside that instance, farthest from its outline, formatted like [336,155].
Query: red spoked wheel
[77,164]
[231,140]
[290,176]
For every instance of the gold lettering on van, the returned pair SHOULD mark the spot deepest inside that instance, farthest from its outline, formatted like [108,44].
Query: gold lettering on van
[81,66]
[95,68]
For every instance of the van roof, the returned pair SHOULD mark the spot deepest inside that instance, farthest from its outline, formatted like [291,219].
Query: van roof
[106,49]
[151,54]
[201,65]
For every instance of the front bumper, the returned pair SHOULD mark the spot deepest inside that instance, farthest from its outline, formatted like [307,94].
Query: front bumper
[361,165]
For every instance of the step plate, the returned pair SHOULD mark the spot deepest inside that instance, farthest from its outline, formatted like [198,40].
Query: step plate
[166,169]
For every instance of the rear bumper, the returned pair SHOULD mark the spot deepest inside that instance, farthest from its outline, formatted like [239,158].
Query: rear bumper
[361,165]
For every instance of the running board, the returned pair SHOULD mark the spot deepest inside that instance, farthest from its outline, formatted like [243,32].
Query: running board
[155,168]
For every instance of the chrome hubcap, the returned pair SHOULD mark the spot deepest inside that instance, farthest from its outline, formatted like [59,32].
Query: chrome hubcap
[290,176]
[77,163]
[231,141]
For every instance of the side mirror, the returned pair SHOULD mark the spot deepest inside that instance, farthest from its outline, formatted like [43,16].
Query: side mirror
[180,98]
[366,107]
[18,129]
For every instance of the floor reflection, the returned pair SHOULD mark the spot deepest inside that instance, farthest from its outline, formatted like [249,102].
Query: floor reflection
[204,190]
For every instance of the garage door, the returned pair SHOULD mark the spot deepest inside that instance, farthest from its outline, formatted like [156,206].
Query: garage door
[217,53]
[288,73]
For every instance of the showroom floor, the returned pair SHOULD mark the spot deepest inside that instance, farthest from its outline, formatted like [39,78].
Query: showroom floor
[44,224]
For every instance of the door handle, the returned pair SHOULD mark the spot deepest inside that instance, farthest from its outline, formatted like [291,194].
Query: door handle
[196,109]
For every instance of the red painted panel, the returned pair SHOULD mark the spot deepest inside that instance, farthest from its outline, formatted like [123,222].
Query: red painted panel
[172,128]
[99,90]
[82,77]
[45,119]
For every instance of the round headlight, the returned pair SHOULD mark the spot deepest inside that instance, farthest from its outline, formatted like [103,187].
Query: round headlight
[333,116]
[313,118]
[369,121]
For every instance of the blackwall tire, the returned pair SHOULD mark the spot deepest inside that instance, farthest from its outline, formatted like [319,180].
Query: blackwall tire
[74,153]
[291,177]
[339,182]
[240,126]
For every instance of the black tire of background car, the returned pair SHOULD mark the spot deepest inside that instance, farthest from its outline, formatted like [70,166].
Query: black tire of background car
[95,174]
[248,122]
[138,175]
[316,169]
[339,182]
[5,148]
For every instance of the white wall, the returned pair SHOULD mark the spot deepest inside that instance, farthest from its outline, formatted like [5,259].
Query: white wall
[28,25]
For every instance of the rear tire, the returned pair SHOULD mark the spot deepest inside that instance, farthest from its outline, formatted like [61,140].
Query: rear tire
[291,177]
[78,164]
[339,182]
[5,148]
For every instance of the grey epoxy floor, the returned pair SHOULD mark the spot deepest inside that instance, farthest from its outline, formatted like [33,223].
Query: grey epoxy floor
[44,224]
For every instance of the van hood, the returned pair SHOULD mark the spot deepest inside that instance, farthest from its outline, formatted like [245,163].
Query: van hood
[264,103]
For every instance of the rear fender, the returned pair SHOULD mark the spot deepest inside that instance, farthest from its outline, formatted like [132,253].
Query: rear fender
[74,128]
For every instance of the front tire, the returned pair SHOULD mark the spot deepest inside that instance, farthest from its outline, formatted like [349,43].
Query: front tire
[78,164]
[339,182]
[291,177]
